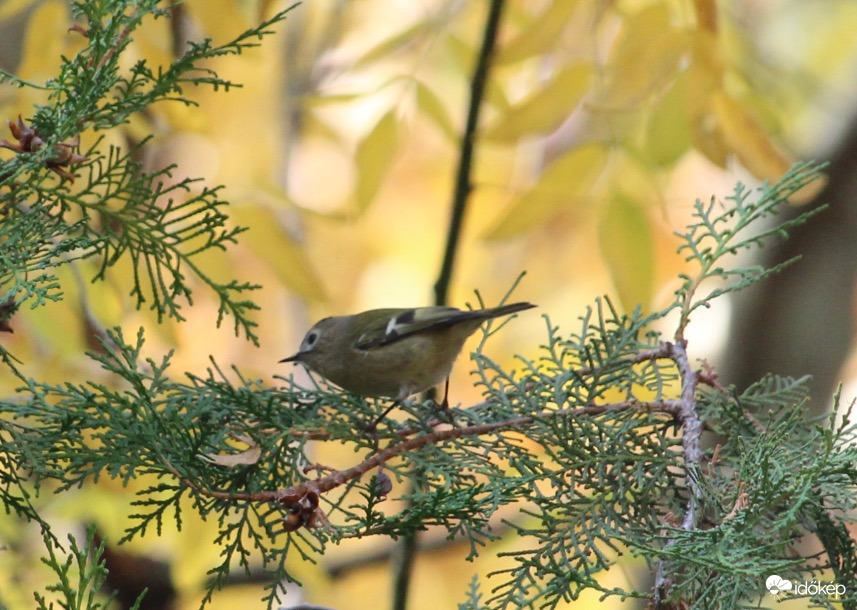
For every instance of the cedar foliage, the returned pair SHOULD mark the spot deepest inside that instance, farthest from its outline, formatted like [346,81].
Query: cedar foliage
[595,438]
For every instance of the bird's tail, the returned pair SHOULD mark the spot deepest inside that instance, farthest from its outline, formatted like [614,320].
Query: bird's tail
[504,310]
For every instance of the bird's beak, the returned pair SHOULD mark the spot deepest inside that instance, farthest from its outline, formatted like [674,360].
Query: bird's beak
[295,358]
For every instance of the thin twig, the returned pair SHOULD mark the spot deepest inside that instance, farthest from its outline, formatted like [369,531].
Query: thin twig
[340,477]
[663,351]
[463,179]
[460,197]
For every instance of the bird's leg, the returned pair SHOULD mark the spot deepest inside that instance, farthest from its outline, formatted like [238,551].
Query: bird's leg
[445,404]
[443,412]
[371,428]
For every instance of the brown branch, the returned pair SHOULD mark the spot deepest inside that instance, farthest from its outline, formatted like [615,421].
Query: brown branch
[340,477]
[302,499]
[120,38]
[692,431]
[676,408]
[691,426]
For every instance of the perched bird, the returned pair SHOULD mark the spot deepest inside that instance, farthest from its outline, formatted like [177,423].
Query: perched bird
[392,352]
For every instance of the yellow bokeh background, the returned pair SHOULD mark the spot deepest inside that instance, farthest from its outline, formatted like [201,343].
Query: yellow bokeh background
[602,123]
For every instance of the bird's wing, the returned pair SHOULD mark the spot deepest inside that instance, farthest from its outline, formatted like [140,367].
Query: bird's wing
[401,323]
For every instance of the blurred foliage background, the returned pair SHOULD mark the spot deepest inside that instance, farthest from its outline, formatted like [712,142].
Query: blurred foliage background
[602,122]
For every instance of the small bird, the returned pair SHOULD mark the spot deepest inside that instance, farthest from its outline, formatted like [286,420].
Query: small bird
[392,352]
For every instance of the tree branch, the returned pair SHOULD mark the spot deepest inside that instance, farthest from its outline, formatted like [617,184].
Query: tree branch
[336,478]
[691,426]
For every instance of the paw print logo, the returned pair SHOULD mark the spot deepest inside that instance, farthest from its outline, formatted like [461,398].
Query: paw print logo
[777,585]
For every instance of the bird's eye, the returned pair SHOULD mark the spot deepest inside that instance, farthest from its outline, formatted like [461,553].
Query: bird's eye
[311,338]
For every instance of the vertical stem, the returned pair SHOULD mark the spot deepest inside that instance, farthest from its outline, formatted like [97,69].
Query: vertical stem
[463,182]
[691,426]
[404,561]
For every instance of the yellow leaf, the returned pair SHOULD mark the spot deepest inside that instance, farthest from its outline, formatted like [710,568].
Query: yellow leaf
[708,140]
[706,14]
[267,238]
[545,109]
[463,53]
[315,126]
[540,35]
[628,248]
[433,107]
[10,8]
[746,138]
[373,157]
[644,58]
[495,95]
[393,44]
[47,33]
[565,182]
[668,129]
[704,75]
[632,173]
[321,99]
[221,19]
